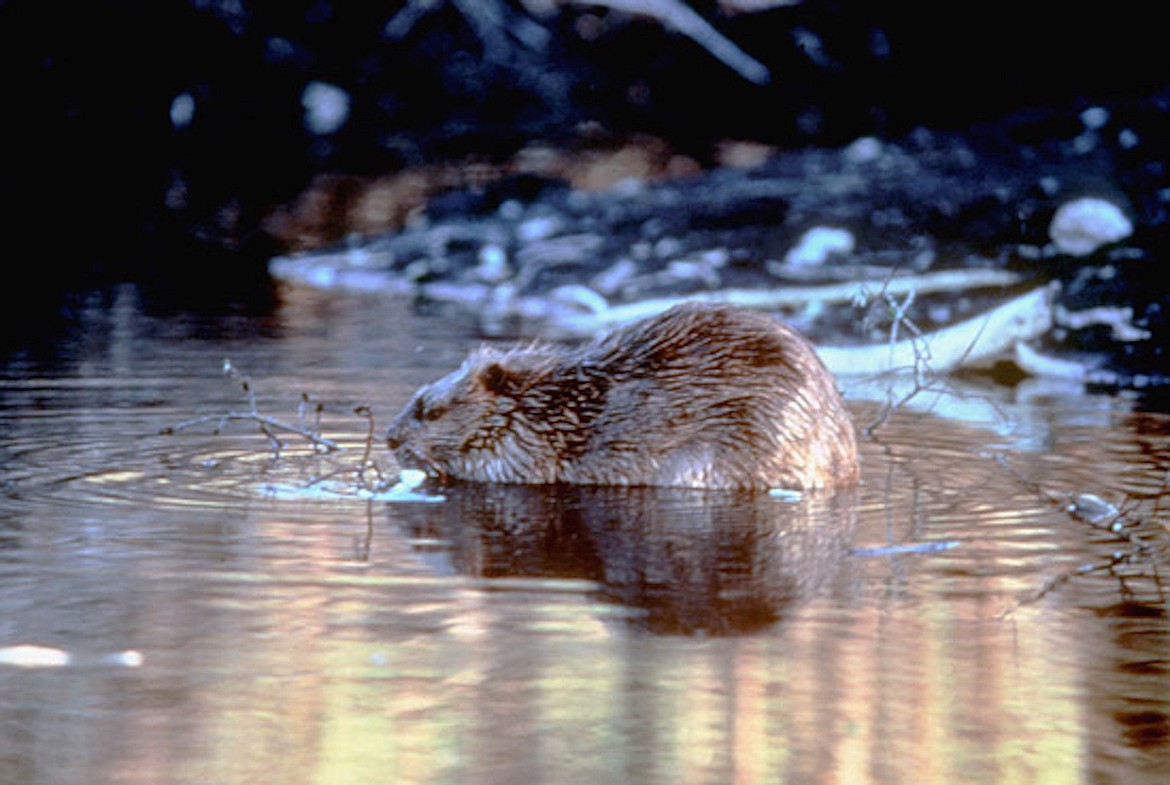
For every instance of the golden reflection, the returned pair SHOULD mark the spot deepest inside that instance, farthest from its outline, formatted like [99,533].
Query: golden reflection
[624,640]
[901,669]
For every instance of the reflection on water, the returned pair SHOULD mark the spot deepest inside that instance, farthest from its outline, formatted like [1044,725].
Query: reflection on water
[534,635]
[687,561]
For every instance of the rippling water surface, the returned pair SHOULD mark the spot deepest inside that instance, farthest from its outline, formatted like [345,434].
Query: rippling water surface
[198,606]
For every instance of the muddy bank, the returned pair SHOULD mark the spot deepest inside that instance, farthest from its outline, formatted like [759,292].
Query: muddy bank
[862,245]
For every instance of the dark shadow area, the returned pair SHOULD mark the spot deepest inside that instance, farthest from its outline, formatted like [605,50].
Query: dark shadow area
[138,127]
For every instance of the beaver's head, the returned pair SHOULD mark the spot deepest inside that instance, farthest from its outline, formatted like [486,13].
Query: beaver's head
[465,425]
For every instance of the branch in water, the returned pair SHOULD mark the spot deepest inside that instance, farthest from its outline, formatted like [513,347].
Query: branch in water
[266,424]
[264,421]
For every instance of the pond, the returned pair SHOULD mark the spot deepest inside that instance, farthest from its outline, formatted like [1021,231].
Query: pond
[194,604]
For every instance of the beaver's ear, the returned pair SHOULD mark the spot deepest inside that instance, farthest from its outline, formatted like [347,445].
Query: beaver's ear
[495,378]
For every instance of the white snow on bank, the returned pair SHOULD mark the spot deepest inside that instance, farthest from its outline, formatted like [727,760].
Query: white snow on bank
[1083,225]
[817,244]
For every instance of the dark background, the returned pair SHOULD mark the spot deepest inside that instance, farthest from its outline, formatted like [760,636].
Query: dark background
[100,183]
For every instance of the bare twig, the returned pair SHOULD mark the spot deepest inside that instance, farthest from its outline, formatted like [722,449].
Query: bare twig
[1143,545]
[974,341]
[898,315]
[678,16]
[494,23]
[269,426]
[307,405]
[368,466]
[367,477]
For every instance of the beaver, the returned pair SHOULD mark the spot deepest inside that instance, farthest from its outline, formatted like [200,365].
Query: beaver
[702,396]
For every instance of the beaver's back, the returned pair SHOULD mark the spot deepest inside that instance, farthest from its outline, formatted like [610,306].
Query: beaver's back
[716,396]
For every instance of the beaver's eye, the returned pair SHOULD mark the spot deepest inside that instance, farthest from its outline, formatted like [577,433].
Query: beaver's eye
[424,412]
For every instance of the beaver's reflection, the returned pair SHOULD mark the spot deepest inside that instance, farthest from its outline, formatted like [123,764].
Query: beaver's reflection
[692,561]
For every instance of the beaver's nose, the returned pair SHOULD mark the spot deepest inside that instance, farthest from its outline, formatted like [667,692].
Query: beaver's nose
[396,433]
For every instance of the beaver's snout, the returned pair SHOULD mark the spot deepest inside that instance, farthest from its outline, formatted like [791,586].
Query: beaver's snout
[399,432]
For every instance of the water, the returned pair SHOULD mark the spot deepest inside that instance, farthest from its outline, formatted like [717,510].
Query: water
[198,607]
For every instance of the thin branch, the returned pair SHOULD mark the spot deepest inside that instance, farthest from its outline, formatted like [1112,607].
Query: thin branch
[493,23]
[1144,547]
[676,15]
[267,425]
[368,466]
[975,340]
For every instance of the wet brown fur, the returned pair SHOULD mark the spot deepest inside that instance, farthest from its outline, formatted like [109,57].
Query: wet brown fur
[708,396]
